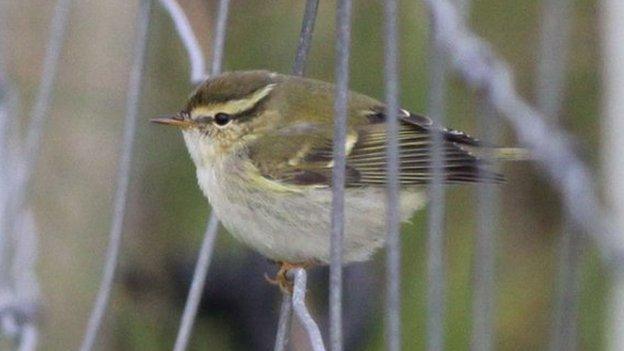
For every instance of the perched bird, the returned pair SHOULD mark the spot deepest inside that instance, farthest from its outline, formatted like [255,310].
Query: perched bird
[262,145]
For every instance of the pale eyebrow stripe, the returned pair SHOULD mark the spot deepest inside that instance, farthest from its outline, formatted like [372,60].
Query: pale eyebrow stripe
[234,107]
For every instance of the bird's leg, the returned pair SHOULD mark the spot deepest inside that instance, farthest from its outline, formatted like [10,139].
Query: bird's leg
[281,279]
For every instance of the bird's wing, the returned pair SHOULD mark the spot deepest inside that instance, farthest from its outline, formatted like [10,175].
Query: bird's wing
[305,153]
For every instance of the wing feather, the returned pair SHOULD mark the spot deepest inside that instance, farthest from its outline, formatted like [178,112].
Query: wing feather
[307,159]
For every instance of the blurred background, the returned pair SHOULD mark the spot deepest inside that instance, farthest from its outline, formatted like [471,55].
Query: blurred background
[166,212]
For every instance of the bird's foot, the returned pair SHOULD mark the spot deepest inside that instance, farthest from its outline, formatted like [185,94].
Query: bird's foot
[281,278]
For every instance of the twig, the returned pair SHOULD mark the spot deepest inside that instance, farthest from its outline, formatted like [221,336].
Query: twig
[123,176]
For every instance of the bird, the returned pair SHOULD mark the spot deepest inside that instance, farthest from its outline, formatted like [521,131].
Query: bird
[262,144]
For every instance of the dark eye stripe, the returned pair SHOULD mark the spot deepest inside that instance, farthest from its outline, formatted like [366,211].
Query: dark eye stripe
[204,119]
[253,111]
[244,115]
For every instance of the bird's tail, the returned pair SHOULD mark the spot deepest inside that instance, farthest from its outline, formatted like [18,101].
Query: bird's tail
[508,154]
[499,154]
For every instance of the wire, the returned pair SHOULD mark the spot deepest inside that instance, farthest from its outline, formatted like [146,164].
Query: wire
[305,38]
[188,38]
[301,310]
[284,323]
[343,51]
[197,285]
[436,285]
[123,176]
[551,148]
[205,254]
[393,225]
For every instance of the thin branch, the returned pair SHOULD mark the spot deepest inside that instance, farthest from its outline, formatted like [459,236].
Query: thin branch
[197,286]
[189,40]
[123,176]
[301,310]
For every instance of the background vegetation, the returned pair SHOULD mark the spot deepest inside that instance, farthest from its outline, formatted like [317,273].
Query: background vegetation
[167,213]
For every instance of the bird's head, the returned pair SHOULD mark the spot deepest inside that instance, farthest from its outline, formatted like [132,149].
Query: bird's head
[225,113]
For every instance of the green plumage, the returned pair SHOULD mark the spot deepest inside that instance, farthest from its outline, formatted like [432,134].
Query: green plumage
[288,134]
[297,148]
[262,145]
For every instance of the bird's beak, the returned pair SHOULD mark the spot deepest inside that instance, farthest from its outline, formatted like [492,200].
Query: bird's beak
[175,121]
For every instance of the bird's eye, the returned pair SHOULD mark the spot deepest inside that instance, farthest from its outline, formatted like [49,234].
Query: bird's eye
[222,119]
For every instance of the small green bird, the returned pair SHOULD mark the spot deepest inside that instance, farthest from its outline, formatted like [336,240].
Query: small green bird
[262,145]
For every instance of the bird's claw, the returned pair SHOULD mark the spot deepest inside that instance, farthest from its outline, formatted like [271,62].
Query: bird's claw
[281,279]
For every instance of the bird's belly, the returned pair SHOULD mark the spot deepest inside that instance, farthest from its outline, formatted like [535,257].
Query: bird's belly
[295,226]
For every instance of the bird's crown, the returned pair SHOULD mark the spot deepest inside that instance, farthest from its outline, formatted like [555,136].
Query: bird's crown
[230,86]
